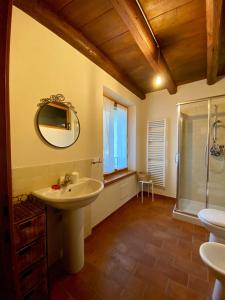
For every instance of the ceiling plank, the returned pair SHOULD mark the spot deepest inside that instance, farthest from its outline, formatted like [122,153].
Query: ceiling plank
[133,18]
[41,12]
[79,13]
[155,8]
[213,27]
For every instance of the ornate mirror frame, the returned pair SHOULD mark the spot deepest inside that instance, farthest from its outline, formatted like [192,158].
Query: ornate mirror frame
[55,99]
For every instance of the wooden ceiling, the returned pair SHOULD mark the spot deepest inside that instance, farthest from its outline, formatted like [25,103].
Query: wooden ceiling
[115,35]
[180,28]
[221,64]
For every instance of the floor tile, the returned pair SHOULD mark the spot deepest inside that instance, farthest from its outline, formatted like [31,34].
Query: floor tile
[136,286]
[191,267]
[177,291]
[153,293]
[173,272]
[152,276]
[139,253]
[202,287]
[78,288]
[59,293]
[107,288]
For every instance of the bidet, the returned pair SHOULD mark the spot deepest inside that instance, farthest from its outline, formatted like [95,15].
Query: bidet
[213,255]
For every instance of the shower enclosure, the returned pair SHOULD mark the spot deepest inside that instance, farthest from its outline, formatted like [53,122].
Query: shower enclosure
[201,155]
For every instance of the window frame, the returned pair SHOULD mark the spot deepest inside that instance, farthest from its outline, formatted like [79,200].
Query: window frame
[116,171]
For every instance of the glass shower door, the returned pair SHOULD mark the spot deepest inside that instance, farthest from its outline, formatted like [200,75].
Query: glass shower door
[216,185]
[193,158]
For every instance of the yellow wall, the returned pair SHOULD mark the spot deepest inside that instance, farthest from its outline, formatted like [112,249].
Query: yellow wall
[42,64]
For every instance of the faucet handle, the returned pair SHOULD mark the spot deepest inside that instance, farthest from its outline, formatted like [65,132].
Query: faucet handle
[68,175]
[61,179]
[65,180]
[68,178]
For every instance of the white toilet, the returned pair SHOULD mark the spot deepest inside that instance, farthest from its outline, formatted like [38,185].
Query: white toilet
[213,255]
[214,222]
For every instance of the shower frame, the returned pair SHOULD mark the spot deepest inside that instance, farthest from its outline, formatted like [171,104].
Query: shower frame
[179,128]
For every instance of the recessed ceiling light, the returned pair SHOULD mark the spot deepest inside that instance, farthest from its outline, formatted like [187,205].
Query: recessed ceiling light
[158,80]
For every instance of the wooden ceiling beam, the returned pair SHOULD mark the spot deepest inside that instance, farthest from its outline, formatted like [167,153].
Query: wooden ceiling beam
[41,12]
[213,27]
[135,22]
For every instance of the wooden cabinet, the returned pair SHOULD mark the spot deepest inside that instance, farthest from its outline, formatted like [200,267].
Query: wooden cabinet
[30,245]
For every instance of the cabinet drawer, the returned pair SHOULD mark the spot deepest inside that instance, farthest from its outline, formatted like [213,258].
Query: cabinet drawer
[27,231]
[40,292]
[31,253]
[32,276]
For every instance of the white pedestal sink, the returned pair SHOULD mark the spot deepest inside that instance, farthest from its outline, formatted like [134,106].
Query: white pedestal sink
[71,200]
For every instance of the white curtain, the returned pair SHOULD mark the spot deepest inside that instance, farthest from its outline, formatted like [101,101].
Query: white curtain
[121,137]
[108,135]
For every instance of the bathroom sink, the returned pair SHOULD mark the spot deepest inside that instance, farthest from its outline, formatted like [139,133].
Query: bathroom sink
[73,196]
[71,200]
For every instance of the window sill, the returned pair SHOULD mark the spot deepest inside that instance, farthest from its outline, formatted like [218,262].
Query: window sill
[109,179]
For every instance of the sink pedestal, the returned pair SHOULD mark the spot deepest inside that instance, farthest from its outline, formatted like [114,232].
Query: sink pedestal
[73,240]
[71,200]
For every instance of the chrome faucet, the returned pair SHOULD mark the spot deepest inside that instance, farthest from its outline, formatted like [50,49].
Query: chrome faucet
[67,180]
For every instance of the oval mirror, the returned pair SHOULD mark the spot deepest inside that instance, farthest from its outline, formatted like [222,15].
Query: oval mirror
[58,124]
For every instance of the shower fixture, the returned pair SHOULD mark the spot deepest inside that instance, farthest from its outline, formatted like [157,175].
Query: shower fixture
[216,149]
[201,152]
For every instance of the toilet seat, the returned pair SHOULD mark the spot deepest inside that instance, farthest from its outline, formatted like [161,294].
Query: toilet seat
[213,216]
[212,225]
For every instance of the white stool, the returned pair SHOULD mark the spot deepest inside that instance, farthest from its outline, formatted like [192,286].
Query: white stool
[148,182]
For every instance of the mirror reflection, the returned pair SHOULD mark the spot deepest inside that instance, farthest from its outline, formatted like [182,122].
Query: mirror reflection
[58,124]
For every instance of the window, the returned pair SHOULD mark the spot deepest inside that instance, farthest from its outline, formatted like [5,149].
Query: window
[114,136]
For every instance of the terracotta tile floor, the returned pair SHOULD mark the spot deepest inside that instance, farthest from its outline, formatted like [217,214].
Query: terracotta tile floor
[139,252]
